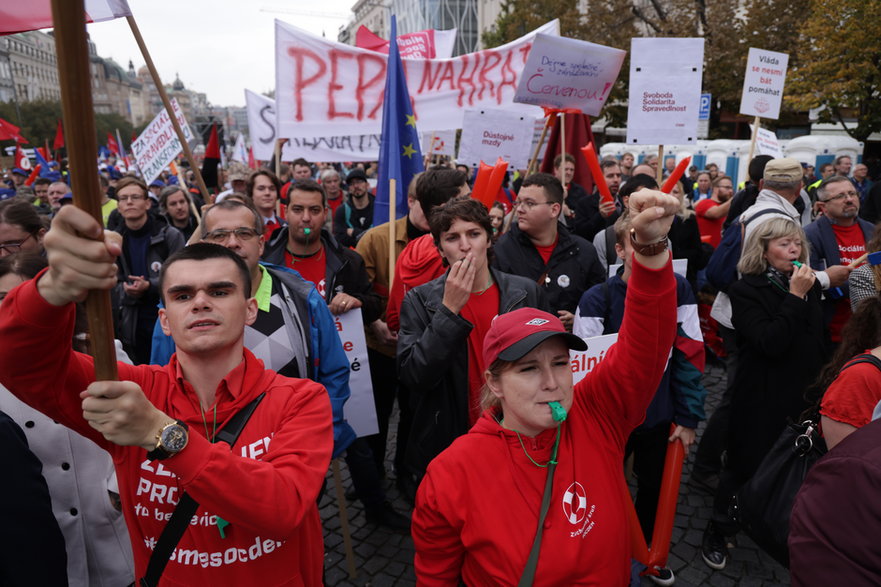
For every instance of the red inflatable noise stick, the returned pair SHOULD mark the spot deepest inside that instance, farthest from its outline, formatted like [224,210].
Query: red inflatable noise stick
[593,164]
[675,176]
[489,181]
[656,557]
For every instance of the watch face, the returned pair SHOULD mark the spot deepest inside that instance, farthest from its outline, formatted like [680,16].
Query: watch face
[174,438]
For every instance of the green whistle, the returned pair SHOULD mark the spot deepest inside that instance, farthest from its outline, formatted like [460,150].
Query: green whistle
[796,263]
[307,231]
[558,412]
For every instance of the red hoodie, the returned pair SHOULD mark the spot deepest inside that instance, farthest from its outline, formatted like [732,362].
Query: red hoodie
[477,507]
[418,263]
[265,487]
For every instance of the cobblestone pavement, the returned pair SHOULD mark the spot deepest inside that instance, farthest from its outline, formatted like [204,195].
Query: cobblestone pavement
[384,558]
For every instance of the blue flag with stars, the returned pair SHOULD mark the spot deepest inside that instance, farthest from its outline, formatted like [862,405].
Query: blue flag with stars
[400,157]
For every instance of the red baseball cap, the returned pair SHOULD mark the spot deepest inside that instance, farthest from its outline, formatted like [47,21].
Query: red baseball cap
[511,336]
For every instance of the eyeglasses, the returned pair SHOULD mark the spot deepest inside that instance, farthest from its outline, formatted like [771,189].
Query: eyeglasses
[848,194]
[222,234]
[13,247]
[530,204]
[131,198]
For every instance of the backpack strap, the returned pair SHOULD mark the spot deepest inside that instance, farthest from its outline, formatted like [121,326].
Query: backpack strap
[862,358]
[187,506]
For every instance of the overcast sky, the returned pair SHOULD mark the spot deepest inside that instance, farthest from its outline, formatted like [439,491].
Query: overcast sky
[219,47]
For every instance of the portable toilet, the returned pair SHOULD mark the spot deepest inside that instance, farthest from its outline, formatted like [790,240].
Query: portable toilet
[820,149]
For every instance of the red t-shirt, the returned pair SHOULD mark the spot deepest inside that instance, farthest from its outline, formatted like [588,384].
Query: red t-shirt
[335,203]
[852,397]
[312,268]
[851,245]
[546,252]
[269,227]
[480,311]
[708,226]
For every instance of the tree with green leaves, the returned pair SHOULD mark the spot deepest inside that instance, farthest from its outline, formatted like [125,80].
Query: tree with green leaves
[839,65]
[39,120]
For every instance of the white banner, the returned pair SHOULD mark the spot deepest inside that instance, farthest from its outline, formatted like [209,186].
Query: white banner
[324,88]
[767,143]
[583,363]
[360,411]
[158,145]
[444,143]
[680,267]
[261,126]
[490,134]
[665,91]
[568,73]
[763,83]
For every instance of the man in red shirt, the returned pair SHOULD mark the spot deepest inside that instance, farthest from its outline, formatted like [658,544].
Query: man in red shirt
[159,423]
[711,212]
[838,237]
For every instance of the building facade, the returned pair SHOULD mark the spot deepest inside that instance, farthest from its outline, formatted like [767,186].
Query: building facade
[32,66]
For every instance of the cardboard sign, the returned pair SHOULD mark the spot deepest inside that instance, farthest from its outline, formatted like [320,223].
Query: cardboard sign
[665,91]
[444,143]
[584,362]
[490,134]
[767,143]
[568,73]
[360,411]
[680,267]
[324,88]
[158,145]
[763,83]
[261,125]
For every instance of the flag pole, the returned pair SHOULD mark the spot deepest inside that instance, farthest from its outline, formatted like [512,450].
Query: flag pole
[157,81]
[392,203]
[660,172]
[562,116]
[74,77]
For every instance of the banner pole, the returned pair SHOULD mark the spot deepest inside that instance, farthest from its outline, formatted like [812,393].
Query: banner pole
[541,140]
[344,518]
[752,143]
[660,172]
[562,116]
[157,81]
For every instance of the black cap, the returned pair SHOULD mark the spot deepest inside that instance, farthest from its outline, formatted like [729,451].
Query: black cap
[356,173]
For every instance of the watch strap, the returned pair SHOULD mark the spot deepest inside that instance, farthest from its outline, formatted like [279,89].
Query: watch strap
[648,250]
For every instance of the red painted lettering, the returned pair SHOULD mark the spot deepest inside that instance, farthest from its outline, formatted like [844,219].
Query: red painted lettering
[491,60]
[448,75]
[300,82]
[468,79]
[364,63]
[509,78]
[333,86]
[429,77]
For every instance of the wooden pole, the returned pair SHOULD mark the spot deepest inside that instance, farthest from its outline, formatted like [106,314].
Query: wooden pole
[344,518]
[541,141]
[392,204]
[752,143]
[188,153]
[278,144]
[660,172]
[562,116]
[74,77]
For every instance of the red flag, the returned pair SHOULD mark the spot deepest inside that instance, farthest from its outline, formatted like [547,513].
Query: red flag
[59,137]
[37,14]
[578,134]
[21,160]
[10,132]
[252,163]
[47,154]
[212,151]
[212,159]
[112,144]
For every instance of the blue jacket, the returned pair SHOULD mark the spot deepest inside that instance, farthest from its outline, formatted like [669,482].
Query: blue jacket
[327,362]
[680,395]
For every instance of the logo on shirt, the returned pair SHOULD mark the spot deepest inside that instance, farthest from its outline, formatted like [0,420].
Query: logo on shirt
[537,322]
[577,511]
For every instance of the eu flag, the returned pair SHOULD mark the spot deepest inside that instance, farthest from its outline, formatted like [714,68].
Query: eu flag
[399,155]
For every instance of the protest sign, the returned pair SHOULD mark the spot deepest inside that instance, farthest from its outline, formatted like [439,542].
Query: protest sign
[324,88]
[261,125]
[767,143]
[568,73]
[444,143]
[490,134]
[763,83]
[158,145]
[584,362]
[360,411]
[680,267]
[665,91]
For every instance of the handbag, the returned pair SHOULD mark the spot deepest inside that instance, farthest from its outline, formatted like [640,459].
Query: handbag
[763,505]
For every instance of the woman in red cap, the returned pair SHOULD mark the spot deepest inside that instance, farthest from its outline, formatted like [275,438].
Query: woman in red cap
[521,468]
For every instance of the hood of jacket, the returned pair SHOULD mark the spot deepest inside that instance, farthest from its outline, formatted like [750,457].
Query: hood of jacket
[420,262]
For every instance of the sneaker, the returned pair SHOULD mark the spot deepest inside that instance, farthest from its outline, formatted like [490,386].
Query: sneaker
[664,577]
[714,549]
[385,515]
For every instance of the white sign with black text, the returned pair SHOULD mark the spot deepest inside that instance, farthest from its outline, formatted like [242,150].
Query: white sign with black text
[360,411]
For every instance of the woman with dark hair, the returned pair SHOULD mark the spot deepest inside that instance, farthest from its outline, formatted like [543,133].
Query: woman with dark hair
[443,323]
[852,379]
[545,455]
[20,227]
[80,476]
[779,323]
[497,218]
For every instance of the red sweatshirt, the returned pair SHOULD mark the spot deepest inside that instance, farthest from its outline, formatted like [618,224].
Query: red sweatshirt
[265,487]
[418,263]
[477,508]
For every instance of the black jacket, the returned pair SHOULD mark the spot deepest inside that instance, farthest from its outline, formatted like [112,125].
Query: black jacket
[344,272]
[572,269]
[780,349]
[433,361]
[588,220]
